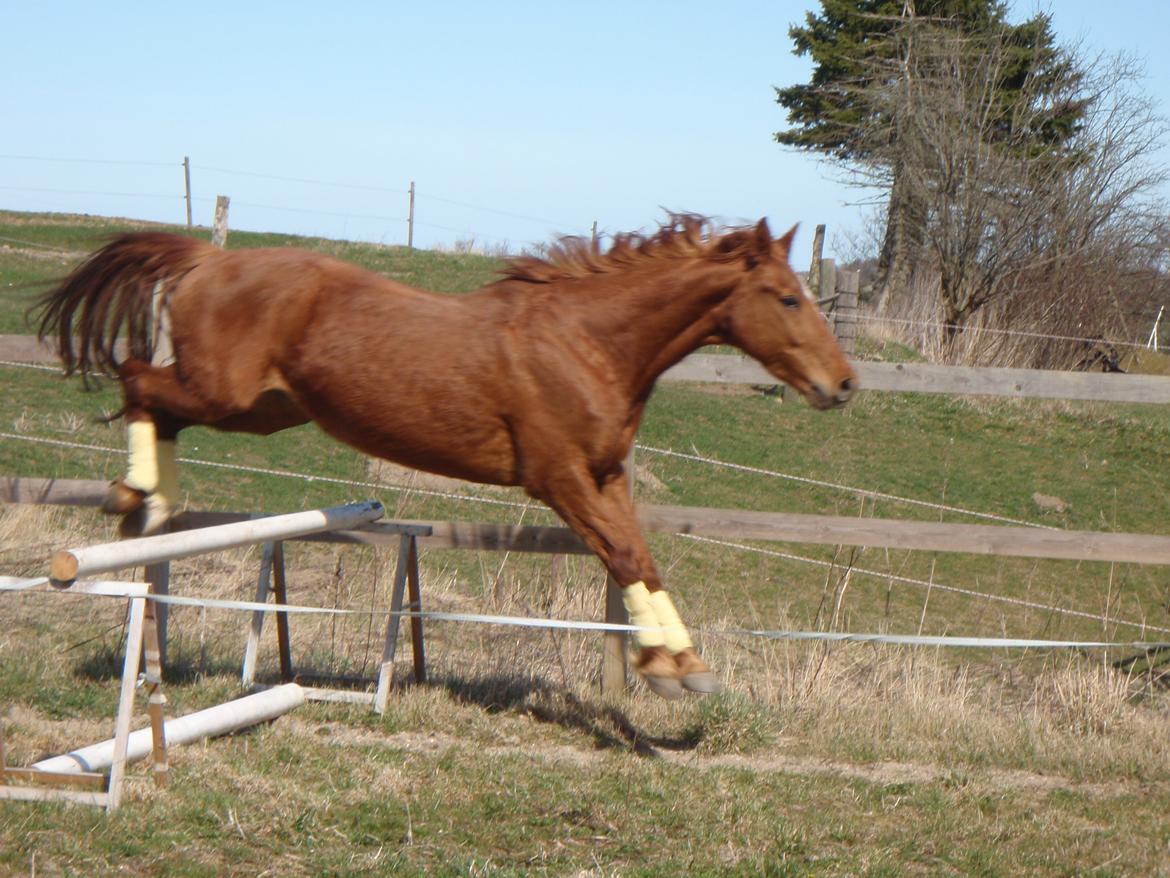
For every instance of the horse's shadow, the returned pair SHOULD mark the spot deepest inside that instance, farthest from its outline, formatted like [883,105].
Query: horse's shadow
[608,725]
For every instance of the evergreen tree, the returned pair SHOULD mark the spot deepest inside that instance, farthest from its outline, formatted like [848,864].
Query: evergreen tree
[854,111]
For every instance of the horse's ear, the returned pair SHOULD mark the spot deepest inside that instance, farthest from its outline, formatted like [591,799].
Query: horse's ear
[763,239]
[784,243]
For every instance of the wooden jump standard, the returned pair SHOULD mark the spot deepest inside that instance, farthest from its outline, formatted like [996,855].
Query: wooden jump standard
[84,783]
[194,537]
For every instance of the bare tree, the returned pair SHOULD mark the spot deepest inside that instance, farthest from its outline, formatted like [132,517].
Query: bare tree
[1004,202]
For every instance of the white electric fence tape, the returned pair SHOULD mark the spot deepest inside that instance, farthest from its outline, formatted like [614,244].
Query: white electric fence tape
[12,584]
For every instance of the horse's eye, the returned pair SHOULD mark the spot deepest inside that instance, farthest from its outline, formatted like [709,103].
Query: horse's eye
[790,301]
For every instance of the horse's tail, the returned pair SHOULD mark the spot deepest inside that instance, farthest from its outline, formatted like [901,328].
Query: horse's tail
[110,291]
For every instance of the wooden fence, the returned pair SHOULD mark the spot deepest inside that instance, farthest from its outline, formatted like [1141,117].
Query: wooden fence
[975,539]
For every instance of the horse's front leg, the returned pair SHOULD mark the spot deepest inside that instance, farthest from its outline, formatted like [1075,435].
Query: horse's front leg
[604,517]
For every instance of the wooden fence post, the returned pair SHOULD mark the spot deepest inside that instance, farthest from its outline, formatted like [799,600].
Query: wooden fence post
[410,219]
[814,269]
[219,228]
[187,186]
[845,315]
[614,664]
[827,287]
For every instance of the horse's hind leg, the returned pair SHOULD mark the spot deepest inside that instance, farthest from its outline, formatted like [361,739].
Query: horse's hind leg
[148,494]
[156,408]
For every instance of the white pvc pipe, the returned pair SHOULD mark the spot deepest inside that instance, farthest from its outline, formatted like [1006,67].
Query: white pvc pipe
[218,720]
[69,564]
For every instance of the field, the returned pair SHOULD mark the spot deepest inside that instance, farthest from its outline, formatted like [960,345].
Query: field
[844,759]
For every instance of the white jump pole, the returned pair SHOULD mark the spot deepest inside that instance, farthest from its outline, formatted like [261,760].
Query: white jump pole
[69,564]
[218,720]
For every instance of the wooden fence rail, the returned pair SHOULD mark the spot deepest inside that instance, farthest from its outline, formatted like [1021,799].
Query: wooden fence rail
[735,524]
[891,377]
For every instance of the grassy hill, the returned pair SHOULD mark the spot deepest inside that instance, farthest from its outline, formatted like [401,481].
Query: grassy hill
[783,775]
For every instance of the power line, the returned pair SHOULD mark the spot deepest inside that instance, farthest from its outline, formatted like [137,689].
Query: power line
[299,180]
[521,216]
[37,158]
[90,192]
[393,219]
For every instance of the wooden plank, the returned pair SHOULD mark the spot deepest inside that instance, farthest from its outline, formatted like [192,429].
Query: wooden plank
[390,644]
[52,492]
[890,377]
[37,794]
[256,628]
[280,595]
[414,595]
[27,349]
[341,696]
[1015,383]
[961,380]
[85,779]
[977,539]
[130,663]
[783,527]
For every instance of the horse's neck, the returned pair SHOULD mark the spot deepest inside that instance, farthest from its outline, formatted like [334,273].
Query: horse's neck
[664,316]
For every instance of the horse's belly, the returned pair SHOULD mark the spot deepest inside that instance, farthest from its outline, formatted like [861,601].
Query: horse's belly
[470,448]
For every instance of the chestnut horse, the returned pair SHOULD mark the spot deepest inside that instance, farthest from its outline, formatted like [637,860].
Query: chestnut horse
[538,379]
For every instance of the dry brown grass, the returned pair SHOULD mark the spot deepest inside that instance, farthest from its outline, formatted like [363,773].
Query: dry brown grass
[1069,715]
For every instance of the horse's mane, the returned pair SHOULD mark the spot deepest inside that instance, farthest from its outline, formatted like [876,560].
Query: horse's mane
[682,236]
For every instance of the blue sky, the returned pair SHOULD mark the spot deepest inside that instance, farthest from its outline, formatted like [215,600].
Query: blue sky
[516,120]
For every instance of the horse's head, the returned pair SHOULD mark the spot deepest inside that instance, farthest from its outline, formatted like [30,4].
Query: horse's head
[771,316]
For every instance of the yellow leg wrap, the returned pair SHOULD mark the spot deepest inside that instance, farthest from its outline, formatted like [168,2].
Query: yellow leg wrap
[142,472]
[168,473]
[673,631]
[637,600]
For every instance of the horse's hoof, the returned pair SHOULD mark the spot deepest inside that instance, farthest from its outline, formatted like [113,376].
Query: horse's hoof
[121,499]
[149,518]
[657,667]
[694,674]
[664,687]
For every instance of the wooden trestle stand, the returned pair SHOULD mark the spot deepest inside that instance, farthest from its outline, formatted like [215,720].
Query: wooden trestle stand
[87,785]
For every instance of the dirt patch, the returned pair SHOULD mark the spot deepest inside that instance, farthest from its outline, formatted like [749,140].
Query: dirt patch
[883,773]
[41,254]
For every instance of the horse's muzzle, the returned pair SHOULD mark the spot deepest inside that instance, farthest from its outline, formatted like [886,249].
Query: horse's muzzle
[823,398]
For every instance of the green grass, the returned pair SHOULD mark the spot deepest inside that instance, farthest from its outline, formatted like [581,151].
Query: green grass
[849,760]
